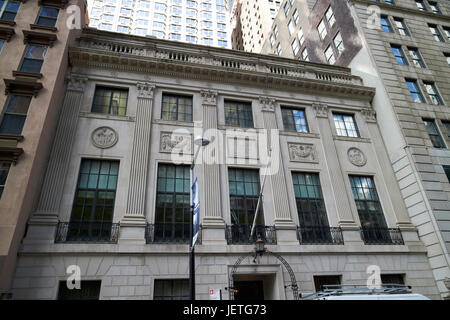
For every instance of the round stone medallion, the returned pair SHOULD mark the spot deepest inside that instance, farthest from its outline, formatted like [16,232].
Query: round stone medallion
[356,157]
[104,137]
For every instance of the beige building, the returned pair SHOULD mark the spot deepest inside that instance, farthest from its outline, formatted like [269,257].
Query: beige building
[402,48]
[115,199]
[34,40]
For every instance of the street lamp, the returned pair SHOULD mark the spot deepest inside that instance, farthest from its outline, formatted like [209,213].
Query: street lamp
[200,141]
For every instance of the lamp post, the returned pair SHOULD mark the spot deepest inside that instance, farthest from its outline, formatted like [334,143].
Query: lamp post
[200,141]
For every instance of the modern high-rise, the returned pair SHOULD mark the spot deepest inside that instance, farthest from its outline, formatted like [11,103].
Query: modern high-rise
[34,41]
[203,22]
[402,48]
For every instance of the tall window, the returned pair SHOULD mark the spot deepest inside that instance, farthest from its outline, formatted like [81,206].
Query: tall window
[329,55]
[4,170]
[110,101]
[401,26]
[433,93]
[416,57]
[433,132]
[8,9]
[244,192]
[93,207]
[171,289]
[322,30]
[399,54]
[305,55]
[300,37]
[295,16]
[176,107]
[2,42]
[33,59]
[238,114]
[385,24]
[47,17]
[172,203]
[367,202]
[338,43]
[15,114]
[345,125]
[416,94]
[294,120]
[291,27]
[330,17]
[436,33]
[295,47]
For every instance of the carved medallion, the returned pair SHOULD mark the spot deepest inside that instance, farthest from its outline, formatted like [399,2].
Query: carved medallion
[172,142]
[356,157]
[104,137]
[302,152]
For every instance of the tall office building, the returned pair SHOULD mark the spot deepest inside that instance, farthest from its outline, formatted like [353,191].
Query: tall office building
[402,48]
[34,39]
[203,22]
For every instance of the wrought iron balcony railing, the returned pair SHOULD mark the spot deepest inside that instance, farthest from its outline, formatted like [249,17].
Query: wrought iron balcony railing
[381,236]
[80,231]
[320,235]
[170,233]
[240,234]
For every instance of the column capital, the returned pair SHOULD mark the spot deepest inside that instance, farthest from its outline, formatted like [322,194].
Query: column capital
[267,103]
[369,114]
[76,82]
[320,109]
[145,90]
[209,97]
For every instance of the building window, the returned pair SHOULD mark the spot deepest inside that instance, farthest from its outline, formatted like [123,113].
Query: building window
[447,57]
[2,42]
[339,44]
[385,24]
[238,114]
[275,32]
[436,33]
[420,5]
[160,7]
[416,57]
[416,94]
[173,289]
[123,29]
[300,37]
[141,32]
[8,10]
[89,290]
[321,281]
[447,32]
[433,132]
[15,114]
[295,47]
[176,107]
[305,55]
[393,279]
[329,55]
[222,43]
[345,125]
[48,16]
[322,30]
[294,120]
[433,93]
[401,27]
[4,170]
[175,36]
[286,8]
[105,26]
[295,16]
[367,202]
[172,203]
[434,7]
[329,15]
[93,206]
[110,101]
[291,27]
[399,55]
[191,38]
[446,171]
[33,59]
[446,125]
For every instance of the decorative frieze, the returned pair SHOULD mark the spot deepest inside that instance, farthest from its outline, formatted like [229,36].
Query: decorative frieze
[302,152]
[209,97]
[104,137]
[321,110]
[174,142]
[356,157]
[267,104]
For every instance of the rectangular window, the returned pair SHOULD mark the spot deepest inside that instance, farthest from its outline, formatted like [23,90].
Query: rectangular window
[329,55]
[294,120]
[436,33]
[321,281]
[300,37]
[110,101]
[15,114]
[399,55]
[330,17]
[401,27]
[89,290]
[322,30]
[286,8]
[434,7]
[238,114]
[295,16]
[123,29]
[172,203]
[385,24]
[8,10]
[47,17]
[447,32]
[339,44]
[4,170]
[416,57]
[171,289]
[93,206]
[416,94]
[305,55]
[176,107]
[295,47]
[393,279]
[447,57]
[433,93]
[446,171]
[446,125]
[433,132]
[345,125]
[420,5]
[291,27]
[33,59]
[2,42]
[275,33]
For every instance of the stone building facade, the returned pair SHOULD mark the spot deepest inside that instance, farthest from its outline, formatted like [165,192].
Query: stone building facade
[402,49]
[34,39]
[114,203]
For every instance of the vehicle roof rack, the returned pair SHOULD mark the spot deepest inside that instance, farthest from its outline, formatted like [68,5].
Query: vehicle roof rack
[348,289]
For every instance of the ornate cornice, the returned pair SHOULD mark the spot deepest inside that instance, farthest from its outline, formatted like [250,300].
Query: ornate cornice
[209,97]
[145,90]
[267,104]
[6,33]
[22,87]
[35,37]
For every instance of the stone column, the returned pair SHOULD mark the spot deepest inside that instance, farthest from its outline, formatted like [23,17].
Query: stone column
[213,224]
[345,219]
[284,224]
[132,225]
[42,224]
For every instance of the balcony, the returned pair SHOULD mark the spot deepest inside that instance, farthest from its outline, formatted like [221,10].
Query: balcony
[240,234]
[169,233]
[320,235]
[96,232]
[382,236]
